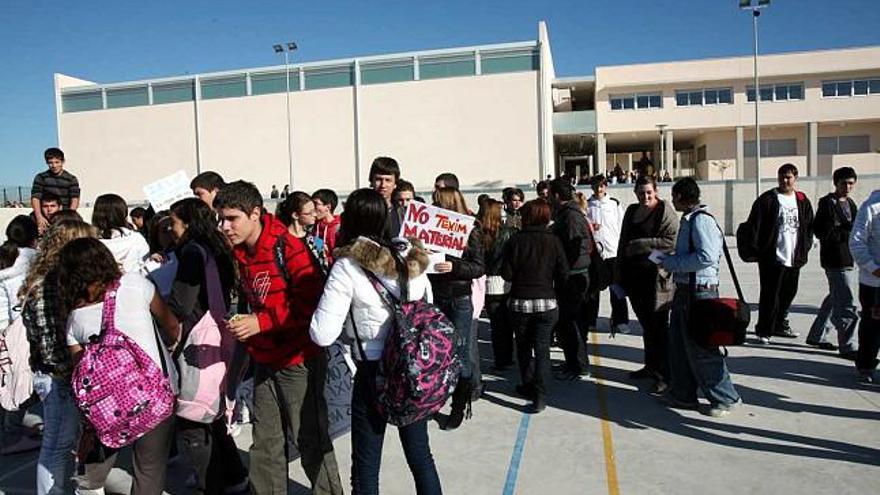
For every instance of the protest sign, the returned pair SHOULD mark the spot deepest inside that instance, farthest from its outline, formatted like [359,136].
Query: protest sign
[440,230]
[167,190]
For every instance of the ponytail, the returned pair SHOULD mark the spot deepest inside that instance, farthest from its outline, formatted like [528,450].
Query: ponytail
[8,254]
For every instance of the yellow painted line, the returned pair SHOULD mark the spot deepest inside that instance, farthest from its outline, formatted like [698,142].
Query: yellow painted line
[610,463]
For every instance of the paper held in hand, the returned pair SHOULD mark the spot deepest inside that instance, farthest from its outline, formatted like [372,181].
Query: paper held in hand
[440,230]
[168,190]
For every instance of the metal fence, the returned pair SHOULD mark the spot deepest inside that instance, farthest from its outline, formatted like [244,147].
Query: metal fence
[13,195]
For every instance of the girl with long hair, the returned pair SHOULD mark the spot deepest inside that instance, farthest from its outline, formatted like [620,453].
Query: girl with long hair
[87,270]
[366,247]
[496,233]
[45,319]
[110,217]
[452,285]
[297,212]
[209,447]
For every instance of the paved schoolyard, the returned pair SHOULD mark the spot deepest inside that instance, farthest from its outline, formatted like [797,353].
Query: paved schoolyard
[806,427]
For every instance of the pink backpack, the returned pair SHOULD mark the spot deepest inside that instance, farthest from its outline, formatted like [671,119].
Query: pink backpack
[16,377]
[205,357]
[419,367]
[118,387]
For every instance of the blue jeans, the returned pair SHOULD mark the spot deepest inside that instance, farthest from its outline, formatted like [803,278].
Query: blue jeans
[61,424]
[368,435]
[692,366]
[460,310]
[532,332]
[838,310]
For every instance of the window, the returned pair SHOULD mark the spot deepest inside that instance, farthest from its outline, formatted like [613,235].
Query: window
[82,101]
[713,96]
[772,148]
[227,87]
[508,61]
[875,86]
[701,153]
[386,72]
[173,93]
[127,97]
[860,87]
[641,101]
[777,92]
[274,82]
[447,66]
[331,77]
[837,145]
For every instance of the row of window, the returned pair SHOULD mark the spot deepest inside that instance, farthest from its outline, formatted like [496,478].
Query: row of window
[698,97]
[632,102]
[429,67]
[831,145]
[777,92]
[852,87]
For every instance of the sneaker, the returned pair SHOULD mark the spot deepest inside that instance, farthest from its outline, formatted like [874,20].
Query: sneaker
[538,405]
[622,328]
[570,376]
[867,376]
[674,403]
[763,340]
[720,410]
[23,444]
[659,388]
[786,333]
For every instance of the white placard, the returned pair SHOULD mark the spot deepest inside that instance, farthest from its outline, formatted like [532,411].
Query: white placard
[167,190]
[440,230]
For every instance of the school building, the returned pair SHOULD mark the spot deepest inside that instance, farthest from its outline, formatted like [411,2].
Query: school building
[493,114]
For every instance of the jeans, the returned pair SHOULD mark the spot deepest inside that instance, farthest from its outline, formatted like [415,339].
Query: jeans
[655,327]
[692,366]
[212,453]
[290,402]
[368,435]
[502,332]
[572,327]
[838,309]
[779,285]
[869,329]
[460,310]
[619,309]
[532,332]
[149,461]
[61,424]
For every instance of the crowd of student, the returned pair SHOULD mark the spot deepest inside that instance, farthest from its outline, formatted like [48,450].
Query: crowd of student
[290,283]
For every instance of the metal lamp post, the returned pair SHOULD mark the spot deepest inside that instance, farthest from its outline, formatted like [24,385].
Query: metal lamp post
[755,8]
[662,129]
[286,50]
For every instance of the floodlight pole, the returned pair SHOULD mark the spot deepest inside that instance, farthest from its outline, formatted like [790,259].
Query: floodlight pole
[286,49]
[755,6]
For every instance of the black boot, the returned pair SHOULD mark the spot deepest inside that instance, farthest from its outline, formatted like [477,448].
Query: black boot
[461,402]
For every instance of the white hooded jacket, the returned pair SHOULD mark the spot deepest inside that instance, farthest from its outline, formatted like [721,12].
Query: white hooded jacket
[348,287]
[10,282]
[864,241]
[129,248]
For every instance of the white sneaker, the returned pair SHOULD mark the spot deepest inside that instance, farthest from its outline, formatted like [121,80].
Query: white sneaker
[622,328]
[764,340]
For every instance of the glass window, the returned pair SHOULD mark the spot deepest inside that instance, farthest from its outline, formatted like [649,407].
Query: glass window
[828,145]
[450,66]
[227,87]
[655,101]
[495,63]
[781,92]
[829,89]
[81,102]
[701,153]
[860,87]
[696,97]
[853,144]
[875,86]
[642,101]
[387,72]
[711,96]
[766,93]
[750,94]
[616,103]
[127,97]
[796,92]
[681,99]
[336,77]
[629,102]
[263,84]
[725,96]
[173,93]
[779,147]
[844,88]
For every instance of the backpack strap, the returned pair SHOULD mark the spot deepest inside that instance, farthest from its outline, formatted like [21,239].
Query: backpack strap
[279,251]
[216,303]
[108,313]
[693,276]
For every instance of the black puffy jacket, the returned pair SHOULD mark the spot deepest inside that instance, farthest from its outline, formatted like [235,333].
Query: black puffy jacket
[464,270]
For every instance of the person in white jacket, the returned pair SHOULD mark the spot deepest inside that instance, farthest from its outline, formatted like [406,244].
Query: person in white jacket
[606,217]
[348,291]
[864,244]
[110,217]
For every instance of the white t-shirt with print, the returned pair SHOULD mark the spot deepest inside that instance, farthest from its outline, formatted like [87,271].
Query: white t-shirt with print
[789,224]
[133,318]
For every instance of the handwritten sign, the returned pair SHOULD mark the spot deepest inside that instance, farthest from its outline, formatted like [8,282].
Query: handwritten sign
[166,191]
[439,230]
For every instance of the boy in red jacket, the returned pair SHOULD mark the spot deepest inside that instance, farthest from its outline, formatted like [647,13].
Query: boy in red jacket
[291,369]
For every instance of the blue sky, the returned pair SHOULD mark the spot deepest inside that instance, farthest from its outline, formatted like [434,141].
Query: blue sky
[109,41]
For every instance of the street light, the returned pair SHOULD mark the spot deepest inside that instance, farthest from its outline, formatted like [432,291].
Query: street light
[290,47]
[756,12]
